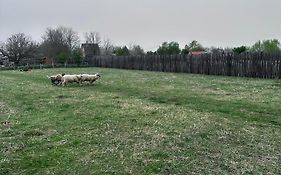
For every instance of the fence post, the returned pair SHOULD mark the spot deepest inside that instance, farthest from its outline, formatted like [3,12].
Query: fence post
[279,63]
[190,64]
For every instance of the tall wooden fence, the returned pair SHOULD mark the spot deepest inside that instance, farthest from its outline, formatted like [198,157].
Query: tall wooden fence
[244,65]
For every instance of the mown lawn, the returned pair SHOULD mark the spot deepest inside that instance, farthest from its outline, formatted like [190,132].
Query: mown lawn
[137,122]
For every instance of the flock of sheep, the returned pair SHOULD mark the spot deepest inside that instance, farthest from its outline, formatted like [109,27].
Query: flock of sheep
[63,79]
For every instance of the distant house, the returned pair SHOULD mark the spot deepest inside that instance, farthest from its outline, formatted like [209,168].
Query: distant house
[89,50]
[198,53]
[48,61]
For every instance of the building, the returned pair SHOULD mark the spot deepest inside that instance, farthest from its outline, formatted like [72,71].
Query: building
[198,53]
[90,50]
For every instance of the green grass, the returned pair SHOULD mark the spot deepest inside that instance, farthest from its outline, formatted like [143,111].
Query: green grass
[137,122]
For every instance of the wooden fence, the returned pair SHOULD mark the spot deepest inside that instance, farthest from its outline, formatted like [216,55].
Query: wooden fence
[244,65]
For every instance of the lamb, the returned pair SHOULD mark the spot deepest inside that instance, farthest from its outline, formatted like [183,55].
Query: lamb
[56,79]
[70,78]
[90,78]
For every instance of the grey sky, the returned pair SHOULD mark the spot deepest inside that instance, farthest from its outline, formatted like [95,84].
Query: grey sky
[148,22]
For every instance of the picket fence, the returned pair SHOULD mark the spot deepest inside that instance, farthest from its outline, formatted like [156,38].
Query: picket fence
[259,65]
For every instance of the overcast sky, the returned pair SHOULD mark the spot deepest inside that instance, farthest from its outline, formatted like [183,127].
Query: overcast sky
[220,23]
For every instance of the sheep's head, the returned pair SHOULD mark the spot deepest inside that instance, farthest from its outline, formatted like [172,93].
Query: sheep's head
[59,76]
[52,78]
[98,75]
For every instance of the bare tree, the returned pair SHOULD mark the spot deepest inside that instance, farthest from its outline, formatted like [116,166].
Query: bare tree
[107,47]
[53,43]
[93,37]
[136,50]
[195,46]
[2,57]
[18,47]
[59,41]
[2,45]
[70,37]
[216,50]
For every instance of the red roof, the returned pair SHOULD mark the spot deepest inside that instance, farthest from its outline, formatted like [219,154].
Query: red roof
[198,53]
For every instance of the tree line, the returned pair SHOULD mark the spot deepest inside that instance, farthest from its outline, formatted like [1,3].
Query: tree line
[63,45]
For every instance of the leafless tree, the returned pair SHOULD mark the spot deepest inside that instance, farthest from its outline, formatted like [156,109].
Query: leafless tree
[136,50]
[2,45]
[93,37]
[107,47]
[18,47]
[215,50]
[59,41]
[70,37]
[195,46]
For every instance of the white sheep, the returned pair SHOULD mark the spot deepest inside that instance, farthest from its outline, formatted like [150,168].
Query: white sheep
[56,79]
[70,78]
[90,78]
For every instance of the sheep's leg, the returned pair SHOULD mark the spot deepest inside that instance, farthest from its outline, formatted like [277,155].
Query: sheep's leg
[55,82]
[78,81]
[59,83]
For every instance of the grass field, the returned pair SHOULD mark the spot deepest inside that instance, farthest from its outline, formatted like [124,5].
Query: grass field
[137,122]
